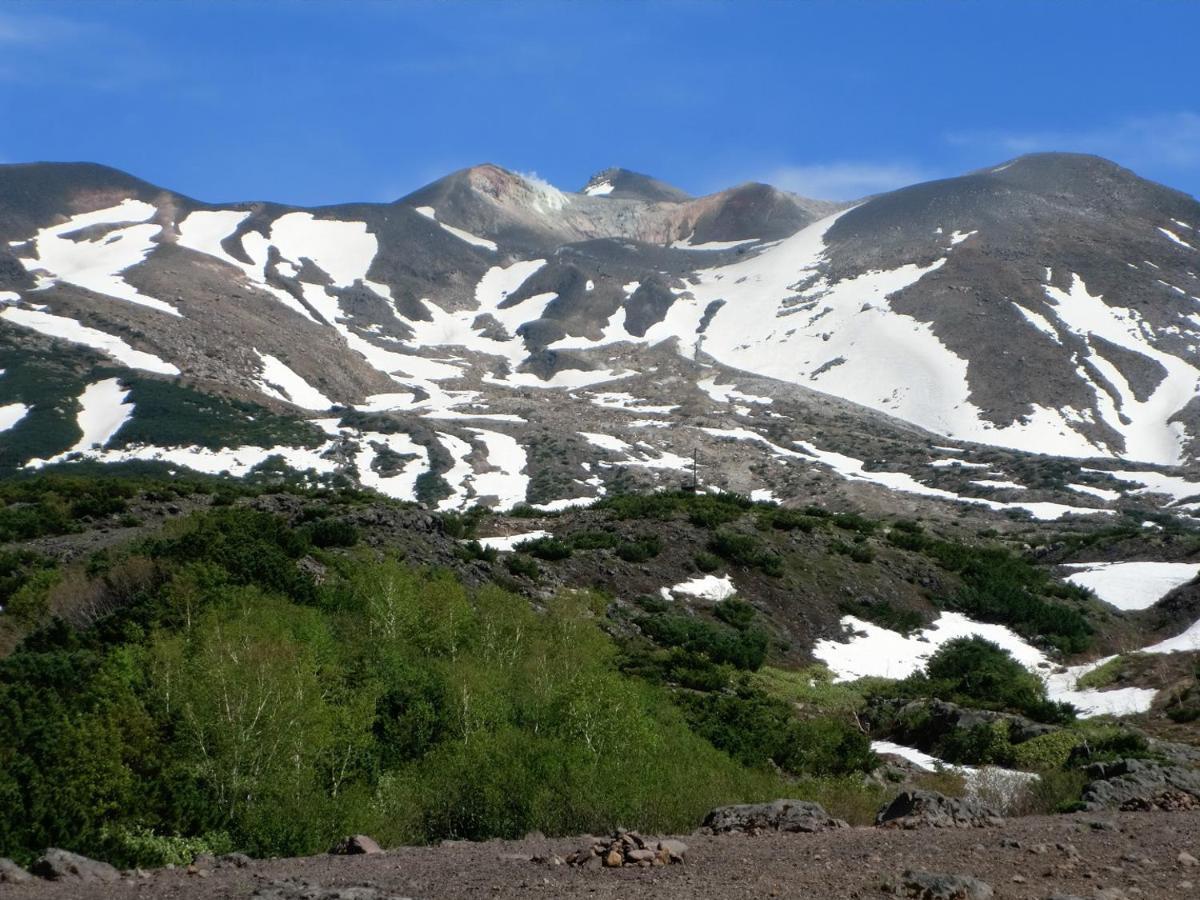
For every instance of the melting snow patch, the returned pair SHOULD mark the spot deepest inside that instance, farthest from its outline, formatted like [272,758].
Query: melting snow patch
[96,265]
[706,587]
[102,412]
[727,393]
[70,330]
[599,189]
[430,213]
[508,484]
[958,464]
[507,543]
[11,414]
[280,382]
[1132,585]
[1176,238]
[712,245]
[1102,493]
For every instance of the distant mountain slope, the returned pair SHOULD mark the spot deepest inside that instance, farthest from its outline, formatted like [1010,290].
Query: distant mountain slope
[490,337]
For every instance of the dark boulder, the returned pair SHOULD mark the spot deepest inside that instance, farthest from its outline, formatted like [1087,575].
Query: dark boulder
[59,865]
[929,809]
[781,815]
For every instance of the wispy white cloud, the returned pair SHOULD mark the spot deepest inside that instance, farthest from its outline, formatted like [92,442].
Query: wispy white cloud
[845,180]
[41,30]
[1160,140]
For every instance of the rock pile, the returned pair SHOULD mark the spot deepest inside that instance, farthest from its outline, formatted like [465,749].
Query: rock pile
[781,815]
[11,873]
[929,809]
[355,845]
[1141,784]
[628,848]
[936,886]
[60,865]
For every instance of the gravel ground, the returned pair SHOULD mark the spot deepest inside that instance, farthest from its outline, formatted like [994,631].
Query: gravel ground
[1108,856]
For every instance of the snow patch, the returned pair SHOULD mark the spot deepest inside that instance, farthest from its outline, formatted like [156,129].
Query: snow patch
[70,330]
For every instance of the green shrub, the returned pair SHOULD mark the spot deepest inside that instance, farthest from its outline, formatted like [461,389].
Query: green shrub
[1103,676]
[746,550]
[473,550]
[333,533]
[130,846]
[720,643]
[526,567]
[707,562]
[976,672]
[643,548]
[593,540]
[854,522]
[547,548]
[735,612]
[785,519]
[1001,588]
[1046,752]
[757,729]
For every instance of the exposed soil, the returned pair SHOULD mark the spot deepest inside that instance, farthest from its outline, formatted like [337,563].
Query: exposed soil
[1036,857]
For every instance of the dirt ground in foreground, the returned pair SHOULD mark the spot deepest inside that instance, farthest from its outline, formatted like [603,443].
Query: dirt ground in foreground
[1136,853]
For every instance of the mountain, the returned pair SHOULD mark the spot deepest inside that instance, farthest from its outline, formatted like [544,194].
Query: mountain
[1021,338]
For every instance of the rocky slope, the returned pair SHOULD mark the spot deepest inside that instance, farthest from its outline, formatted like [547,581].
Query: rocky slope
[1021,338]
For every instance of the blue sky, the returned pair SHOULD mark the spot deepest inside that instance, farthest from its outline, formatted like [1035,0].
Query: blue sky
[321,102]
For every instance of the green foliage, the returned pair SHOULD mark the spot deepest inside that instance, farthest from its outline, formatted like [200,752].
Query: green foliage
[717,642]
[464,524]
[704,510]
[174,415]
[785,519]
[644,547]
[227,702]
[56,504]
[327,533]
[1104,675]
[593,540]
[473,550]
[755,728]
[522,565]
[811,690]
[746,550]
[854,522]
[1002,588]
[547,548]
[735,612]
[714,510]
[1046,752]
[975,672]
[133,846]
[707,562]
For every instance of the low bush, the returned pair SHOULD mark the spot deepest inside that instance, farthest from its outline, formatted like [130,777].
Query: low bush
[975,672]
[717,641]
[525,566]
[746,550]
[644,547]
[550,549]
[593,540]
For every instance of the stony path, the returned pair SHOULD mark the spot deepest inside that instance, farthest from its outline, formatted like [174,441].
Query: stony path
[1113,856]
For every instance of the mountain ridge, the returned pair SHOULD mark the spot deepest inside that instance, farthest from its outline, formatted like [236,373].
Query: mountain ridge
[486,291]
